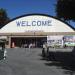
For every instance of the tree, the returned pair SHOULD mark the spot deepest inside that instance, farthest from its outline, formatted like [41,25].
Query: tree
[3,17]
[65,9]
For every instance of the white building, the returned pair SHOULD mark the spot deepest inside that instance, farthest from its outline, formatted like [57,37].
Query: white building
[34,28]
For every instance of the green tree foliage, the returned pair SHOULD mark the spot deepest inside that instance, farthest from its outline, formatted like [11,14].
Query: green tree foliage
[3,17]
[65,9]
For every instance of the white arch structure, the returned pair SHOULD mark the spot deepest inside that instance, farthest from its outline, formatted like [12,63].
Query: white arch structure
[36,23]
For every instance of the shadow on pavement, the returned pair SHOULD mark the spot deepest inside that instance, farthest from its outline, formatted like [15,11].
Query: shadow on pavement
[64,60]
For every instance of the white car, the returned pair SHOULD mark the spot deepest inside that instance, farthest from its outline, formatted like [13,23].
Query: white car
[70,43]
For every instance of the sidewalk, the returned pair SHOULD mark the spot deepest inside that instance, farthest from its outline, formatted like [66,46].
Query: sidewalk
[61,49]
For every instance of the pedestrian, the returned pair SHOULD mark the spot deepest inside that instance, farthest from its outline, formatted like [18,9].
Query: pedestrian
[13,44]
[30,45]
[5,54]
[44,49]
[44,46]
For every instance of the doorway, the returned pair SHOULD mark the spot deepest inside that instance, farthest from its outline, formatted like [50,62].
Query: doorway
[25,41]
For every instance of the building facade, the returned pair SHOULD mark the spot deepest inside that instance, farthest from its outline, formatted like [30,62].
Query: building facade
[35,29]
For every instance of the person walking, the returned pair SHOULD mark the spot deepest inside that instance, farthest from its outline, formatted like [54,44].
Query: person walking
[5,54]
[44,49]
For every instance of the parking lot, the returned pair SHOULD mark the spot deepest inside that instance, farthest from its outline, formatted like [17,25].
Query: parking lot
[25,61]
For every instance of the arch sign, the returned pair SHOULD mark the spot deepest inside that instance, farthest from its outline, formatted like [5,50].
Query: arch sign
[35,23]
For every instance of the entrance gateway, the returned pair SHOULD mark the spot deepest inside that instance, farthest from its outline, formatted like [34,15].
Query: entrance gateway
[35,29]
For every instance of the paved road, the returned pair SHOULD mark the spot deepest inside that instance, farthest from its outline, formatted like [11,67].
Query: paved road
[21,61]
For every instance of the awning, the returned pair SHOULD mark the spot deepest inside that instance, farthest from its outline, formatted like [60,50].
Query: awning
[3,37]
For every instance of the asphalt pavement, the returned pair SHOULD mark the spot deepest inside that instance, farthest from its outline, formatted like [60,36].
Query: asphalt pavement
[24,61]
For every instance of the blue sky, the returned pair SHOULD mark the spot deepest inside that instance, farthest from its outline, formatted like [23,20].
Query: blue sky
[17,8]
